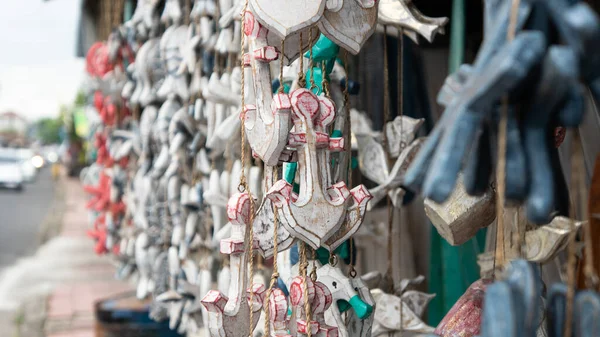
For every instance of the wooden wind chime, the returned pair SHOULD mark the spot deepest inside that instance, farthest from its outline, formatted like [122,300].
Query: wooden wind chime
[226,143]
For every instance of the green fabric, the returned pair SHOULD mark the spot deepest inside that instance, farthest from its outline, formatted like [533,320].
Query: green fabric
[452,268]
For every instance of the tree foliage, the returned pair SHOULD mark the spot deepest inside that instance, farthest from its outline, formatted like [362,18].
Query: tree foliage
[48,130]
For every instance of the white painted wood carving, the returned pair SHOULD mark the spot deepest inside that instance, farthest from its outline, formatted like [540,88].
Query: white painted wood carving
[320,207]
[230,316]
[286,17]
[267,122]
[350,26]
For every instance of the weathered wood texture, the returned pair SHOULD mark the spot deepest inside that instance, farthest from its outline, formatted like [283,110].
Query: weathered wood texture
[460,217]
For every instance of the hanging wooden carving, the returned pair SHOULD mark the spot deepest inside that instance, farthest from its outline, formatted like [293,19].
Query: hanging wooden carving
[320,208]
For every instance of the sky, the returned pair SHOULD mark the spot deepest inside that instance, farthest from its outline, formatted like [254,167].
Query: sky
[38,67]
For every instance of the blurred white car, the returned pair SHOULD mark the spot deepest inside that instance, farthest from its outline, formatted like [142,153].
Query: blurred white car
[27,164]
[11,175]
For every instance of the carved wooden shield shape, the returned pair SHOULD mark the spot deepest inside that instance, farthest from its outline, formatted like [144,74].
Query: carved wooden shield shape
[286,17]
[351,26]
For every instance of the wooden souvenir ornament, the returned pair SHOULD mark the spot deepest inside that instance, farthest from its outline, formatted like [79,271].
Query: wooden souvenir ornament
[319,298]
[398,13]
[263,222]
[373,159]
[355,213]
[344,288]
[268,122]
[286,17]
[230,316]
[320,208]
[389,318]
[278,314]
[350,26]
[172,13]
[460,217]
[172,45]
[464,319]
[291,50]
[354,326]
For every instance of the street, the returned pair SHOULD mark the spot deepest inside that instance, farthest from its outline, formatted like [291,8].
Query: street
[21,214]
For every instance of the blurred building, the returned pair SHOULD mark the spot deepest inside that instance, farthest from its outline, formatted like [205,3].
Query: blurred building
[13,128]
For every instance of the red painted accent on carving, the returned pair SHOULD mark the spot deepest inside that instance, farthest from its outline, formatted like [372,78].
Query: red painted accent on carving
[559,135]
[464,319]
[305,103]
[249,22]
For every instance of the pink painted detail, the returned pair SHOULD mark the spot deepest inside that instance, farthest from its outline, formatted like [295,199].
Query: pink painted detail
[303,327]
[238,209]
[281,104]
[322,140]
[297,290]
[251,26]
[231,246]
[360,193]
[258,296]
[336,144]
[296,139]
[280,193]
[266,54]
[304,103]
[339,189]
[323,299]
[464,319]
[327,114]
[278,306]
[247,60]
[248,111]
[214,301]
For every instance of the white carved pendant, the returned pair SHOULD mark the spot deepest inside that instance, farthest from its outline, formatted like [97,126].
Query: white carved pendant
[268,122]
[354,218]
[320,208]
[353,326]
[291,49]
[172,46]
[263,223]
[278,310]
[320,299]
[392,182]
[230,316]
[286,17]
[350,26]
[399,14]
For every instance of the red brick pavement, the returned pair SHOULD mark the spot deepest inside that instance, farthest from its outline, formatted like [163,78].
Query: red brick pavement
[70,306]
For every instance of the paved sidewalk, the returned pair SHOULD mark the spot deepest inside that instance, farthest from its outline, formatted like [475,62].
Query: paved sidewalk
[70,309]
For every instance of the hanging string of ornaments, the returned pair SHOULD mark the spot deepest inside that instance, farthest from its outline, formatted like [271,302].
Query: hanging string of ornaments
[225,148]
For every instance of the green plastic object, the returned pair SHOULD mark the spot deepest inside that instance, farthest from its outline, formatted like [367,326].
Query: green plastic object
[343,252]
[324,50]
[289,172]
[128,10]
[318,75]
[343,306]
[362,309]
